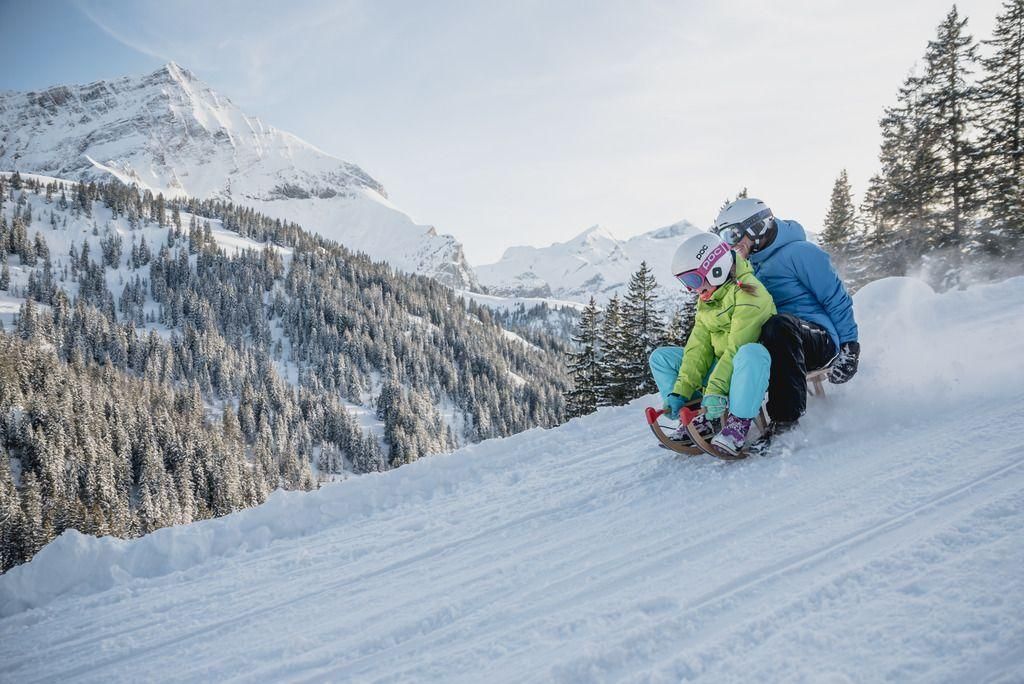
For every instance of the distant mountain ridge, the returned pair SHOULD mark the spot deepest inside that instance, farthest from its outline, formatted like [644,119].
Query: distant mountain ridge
[594,263]
[169,132]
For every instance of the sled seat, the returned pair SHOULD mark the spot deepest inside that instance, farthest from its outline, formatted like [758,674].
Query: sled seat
[815,386]
[816,381]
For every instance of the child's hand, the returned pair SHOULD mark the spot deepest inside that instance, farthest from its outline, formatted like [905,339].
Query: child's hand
[673,403]
[714,405]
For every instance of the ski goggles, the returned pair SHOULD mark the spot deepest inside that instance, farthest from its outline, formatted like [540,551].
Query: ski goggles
[692,280]
[734,232]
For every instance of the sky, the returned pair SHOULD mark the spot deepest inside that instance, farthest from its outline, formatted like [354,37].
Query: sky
[524,122]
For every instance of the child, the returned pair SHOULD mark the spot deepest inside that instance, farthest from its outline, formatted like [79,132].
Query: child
[722,361]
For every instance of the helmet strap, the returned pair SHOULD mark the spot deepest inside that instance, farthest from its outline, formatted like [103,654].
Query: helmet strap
[765,238]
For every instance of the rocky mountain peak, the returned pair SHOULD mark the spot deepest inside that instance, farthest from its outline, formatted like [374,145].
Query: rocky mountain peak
[170,132]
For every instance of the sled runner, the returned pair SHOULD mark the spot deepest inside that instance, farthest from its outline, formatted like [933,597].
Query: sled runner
[815,386]
[658,429]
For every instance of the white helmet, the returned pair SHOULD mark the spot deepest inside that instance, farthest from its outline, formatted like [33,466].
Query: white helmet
[702,257]
[747,216]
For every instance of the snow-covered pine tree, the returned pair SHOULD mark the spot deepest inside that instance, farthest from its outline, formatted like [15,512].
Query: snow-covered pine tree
[33,530]
[10,517]
[642,327]
[614,389]
[583,364]
[677,332]
[1000,119]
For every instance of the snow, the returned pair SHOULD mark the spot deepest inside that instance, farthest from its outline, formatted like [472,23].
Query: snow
[233,244]
[82,229]
[9,307]
[511,303]
[509,335]
[882,541]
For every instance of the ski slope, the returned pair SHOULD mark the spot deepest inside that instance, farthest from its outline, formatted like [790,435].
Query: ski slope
[884,540]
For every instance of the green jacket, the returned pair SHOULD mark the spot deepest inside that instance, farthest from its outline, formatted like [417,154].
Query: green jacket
[730,319]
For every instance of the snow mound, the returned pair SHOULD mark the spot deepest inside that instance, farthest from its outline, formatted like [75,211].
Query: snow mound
[75,564]
[933,349]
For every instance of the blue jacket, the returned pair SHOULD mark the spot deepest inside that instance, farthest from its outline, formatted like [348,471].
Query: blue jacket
[801,280]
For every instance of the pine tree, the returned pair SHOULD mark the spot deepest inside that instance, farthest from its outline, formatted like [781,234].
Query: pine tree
[33,531]
[642,327]
[677,332]
[11,524]
[614,389]
[840,220]
[948,94]
[584,368]
[1001,124]
[742,194]
[899,202]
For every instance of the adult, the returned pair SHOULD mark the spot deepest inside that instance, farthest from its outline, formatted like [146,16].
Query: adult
[814,326]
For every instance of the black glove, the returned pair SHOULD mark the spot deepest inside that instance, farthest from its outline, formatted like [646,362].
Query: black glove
[845,366]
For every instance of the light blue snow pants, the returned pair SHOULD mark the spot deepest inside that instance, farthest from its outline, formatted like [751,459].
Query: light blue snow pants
[750,371]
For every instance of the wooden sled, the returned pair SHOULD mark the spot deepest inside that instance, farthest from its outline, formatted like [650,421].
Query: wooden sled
[815,387]
[653,415]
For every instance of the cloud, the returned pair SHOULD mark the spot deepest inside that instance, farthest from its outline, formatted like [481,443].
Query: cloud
[88,9]
[249,45]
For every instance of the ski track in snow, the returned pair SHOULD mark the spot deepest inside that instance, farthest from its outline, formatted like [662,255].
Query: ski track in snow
[882,541]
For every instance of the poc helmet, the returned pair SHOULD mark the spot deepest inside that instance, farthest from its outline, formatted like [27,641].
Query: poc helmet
[747,216]
[701,258]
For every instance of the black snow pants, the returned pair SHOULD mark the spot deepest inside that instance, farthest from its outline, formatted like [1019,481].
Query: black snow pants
[796,346]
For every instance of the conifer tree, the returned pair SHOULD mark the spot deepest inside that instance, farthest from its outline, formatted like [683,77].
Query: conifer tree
[614,389]
[840,220]
[584,366]
[641,331]
[900,199]
[33,529]
[742,194]
[1001,124]
[11,525]
[948,94]
[677,332]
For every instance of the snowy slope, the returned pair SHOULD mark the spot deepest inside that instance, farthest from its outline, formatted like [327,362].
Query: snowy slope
[170,132]
[594,263]
[882,542]
[84,229]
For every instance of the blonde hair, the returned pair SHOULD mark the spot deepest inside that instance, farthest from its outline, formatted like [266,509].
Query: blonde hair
[746,287]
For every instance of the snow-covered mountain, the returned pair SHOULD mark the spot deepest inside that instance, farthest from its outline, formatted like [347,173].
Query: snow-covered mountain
[170,132]
[594,263]
[882,542]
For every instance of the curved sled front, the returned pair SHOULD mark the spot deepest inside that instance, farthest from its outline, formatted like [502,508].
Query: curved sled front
[652,420]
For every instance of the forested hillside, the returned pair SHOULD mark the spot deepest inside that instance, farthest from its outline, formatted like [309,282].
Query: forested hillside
[174,361]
